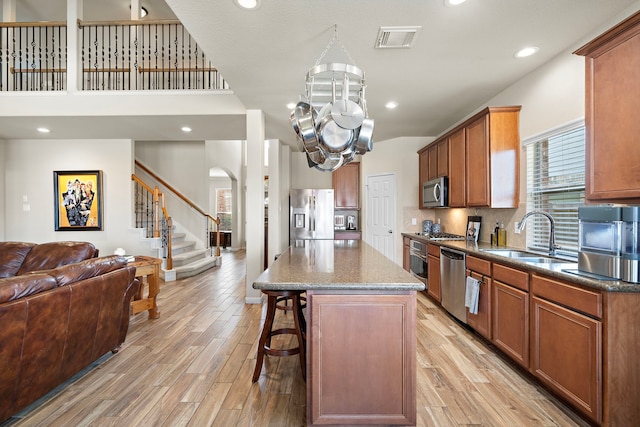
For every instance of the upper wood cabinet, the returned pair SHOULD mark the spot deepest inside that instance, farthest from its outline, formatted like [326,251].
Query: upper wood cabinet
[346,186]
[493,158]
[423,171]
[611,113]
[482,159]
[457,176]
[434,161]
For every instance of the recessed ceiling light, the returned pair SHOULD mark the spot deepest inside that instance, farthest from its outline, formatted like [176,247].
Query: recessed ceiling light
[526,51]
[391,105]
[453,2]
[43,130]
[185,129]
[248,4]
[291,105]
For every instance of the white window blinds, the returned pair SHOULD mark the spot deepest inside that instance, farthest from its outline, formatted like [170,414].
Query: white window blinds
[555,184]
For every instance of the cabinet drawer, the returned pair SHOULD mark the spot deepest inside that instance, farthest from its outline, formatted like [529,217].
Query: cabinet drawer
[478,265]
[582,300]
[433,250]
[511,276]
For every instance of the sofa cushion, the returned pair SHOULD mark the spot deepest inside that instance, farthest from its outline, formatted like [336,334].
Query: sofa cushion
[12,255]
[12,288]
[72,273]
[46,256]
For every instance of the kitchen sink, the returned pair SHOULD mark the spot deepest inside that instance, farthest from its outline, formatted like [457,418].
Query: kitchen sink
[510,253]
[533,258]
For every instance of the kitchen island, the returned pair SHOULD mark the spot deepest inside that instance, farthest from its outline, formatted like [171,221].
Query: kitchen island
[361,330]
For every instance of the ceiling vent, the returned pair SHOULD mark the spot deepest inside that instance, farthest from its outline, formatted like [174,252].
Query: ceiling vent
[396,37]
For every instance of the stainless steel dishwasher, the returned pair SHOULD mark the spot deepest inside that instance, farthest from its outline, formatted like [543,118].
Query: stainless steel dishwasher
[452,282]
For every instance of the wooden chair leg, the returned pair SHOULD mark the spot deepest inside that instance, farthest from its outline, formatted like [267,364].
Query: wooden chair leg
[265,336]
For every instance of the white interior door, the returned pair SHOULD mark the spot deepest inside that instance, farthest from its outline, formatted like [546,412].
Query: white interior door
[381,213]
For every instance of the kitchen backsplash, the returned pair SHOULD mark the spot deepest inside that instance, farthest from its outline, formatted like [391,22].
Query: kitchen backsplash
[454,220]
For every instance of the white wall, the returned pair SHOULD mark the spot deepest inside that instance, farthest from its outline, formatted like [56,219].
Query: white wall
[182,165]
[398,156]
[302,176]
[229,156]
[29,166]
[179,163]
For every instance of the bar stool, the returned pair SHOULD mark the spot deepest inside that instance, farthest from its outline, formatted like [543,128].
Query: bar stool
[299,330]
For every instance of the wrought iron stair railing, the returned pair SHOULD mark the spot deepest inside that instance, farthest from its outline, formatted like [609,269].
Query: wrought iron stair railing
[211,224]
[151,214]
[114,55]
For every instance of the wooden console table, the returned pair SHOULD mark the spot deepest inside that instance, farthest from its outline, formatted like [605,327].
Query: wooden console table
[150,268]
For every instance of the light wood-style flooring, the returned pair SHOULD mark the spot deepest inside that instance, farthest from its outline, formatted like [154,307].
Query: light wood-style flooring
[193,366]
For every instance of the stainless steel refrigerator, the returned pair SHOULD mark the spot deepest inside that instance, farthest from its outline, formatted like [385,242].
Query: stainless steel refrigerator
[311,214]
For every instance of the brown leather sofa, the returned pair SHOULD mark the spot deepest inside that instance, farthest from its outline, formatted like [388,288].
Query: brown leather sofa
[18,258]
[55,322]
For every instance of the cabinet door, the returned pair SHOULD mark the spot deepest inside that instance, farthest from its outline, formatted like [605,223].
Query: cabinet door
[423,172]
[481,322]
[433,277]
[361,353]
[406,253]
[443,158]
[457,175]
[346,185]
[433,161]
[511,322]
[613,149]
[477,162]
[566,355]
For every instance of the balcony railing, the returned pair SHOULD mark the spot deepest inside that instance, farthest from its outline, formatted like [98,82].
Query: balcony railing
[114,55]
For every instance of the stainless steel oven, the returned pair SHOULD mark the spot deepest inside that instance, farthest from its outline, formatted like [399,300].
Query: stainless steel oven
[418,258]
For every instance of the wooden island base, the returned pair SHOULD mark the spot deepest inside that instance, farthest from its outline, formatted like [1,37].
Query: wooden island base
[361,358]
[361,331]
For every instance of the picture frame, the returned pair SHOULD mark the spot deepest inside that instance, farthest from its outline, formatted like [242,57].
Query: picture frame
[77,200]
[473,228]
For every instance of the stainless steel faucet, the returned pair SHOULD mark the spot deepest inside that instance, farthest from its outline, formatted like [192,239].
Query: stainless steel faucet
[552,230]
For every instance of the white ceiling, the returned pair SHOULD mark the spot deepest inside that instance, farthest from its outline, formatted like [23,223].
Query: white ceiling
[461,58]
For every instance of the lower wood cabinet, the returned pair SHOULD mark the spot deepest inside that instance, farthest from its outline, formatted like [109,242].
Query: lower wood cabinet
[480,270]
[510,307]
[406,253]
[566,342]
[566,355]
[361,358]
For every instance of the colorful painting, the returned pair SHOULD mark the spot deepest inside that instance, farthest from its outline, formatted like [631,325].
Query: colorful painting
[78,200]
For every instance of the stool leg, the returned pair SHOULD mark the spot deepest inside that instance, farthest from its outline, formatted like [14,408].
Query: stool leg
[265,336]
[300,323]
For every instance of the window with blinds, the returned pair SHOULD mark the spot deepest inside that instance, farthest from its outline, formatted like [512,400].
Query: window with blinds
[555,184]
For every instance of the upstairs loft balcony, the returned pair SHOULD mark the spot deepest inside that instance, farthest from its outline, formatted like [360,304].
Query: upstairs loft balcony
[110,56]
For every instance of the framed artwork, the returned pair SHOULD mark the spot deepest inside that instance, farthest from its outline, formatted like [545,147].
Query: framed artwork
[473,227]
[77,199]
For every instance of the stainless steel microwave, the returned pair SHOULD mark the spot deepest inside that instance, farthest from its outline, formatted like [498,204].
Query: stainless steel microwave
[435,193]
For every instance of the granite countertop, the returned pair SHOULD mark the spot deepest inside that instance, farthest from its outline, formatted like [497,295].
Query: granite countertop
[335,265]
[554,270]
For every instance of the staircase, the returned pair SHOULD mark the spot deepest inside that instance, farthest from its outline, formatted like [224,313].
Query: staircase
[187,260]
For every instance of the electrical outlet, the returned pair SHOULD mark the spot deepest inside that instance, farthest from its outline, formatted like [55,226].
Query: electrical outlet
[516,227]
[414,221]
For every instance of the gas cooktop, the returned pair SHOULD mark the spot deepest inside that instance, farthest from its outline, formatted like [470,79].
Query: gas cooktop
[441,236]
